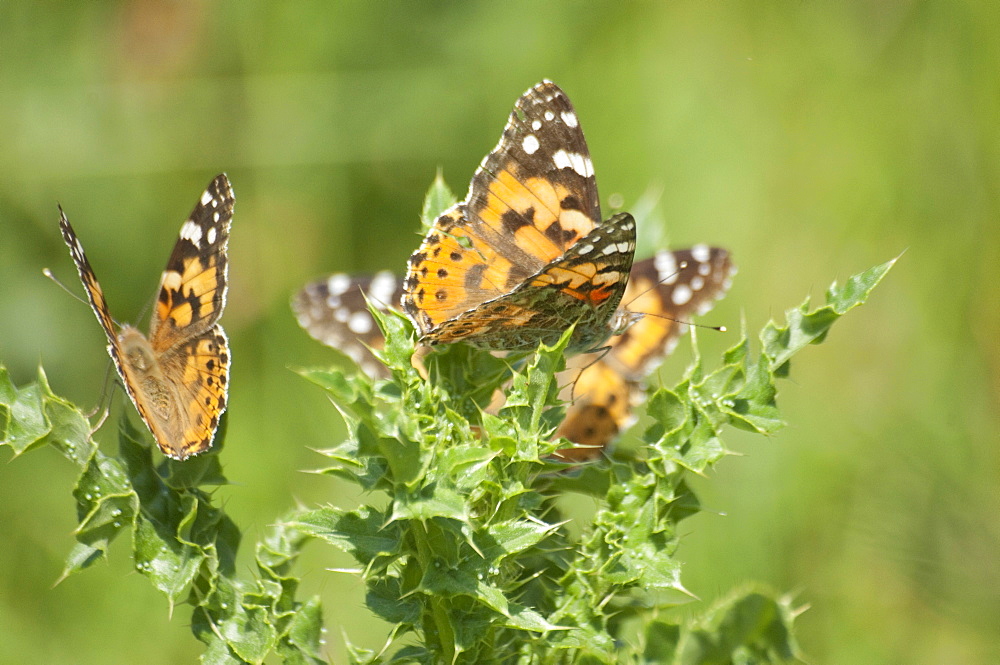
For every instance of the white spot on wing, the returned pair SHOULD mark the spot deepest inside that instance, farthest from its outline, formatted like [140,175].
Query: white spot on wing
[682,294]
[586,249]
[530,144]
[191,231]
[206,197]
[536,125]
[666,265]
[338,283]
[211,235]
[697,283]
[360,323]
[381,289]
[549,115]
[569,118]
[571,160]
[701,253]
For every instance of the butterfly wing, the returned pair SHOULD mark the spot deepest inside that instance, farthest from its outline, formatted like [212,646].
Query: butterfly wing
[333,311]
[583,287]
[94,293]
[531,199]
[193,286]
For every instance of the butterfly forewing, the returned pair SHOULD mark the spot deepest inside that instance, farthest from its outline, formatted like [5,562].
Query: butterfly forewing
[90,284]
[193,286]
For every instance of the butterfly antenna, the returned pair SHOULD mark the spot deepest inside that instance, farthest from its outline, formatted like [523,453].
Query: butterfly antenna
[687,323]
[680,268]
[58,282]
[48,273]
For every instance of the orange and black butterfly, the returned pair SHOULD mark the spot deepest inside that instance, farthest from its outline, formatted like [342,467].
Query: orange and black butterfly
[178,376]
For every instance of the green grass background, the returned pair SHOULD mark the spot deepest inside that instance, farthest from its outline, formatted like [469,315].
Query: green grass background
[813,139]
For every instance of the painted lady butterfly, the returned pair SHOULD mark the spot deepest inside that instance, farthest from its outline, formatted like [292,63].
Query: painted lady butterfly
[671,285]
[178,376]
[526,254]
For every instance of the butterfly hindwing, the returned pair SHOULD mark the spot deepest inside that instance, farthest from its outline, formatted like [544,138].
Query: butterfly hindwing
[334,311]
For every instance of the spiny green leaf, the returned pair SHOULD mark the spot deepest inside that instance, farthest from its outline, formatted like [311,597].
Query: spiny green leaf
[363,533]
[810,327]
[23,416]
[106,507]
[33,416]
[438,199]
[303,639]
[503,539]
[749,627]
[387,598]
[397,330]
[432,501]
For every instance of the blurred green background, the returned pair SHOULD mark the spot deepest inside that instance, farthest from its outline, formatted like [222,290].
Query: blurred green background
[813,139]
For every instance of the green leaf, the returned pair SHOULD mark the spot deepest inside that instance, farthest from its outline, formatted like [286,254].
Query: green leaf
[434,501]
[504,539]
[106,507]
[303,640]
[805,327]
[748,627]
[362,533]
[437,200]
[23,414]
